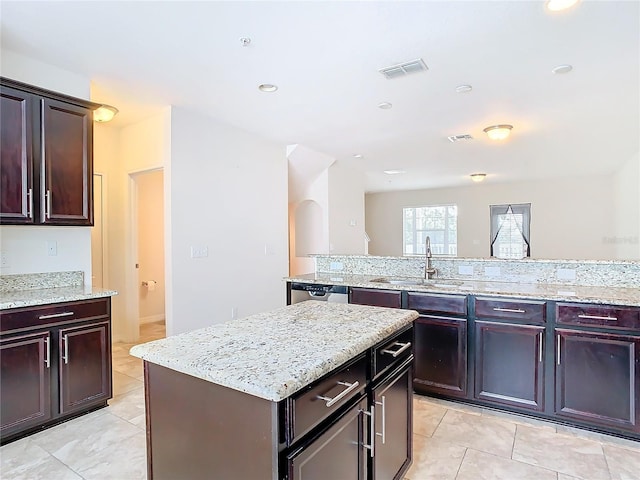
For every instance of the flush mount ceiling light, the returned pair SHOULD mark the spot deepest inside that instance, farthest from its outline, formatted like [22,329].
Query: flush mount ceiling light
[104,113]
[267,87]
[395,172]
[560,69]
[464,88]
[385,105]
[498,132]
[478,177]
[557,5]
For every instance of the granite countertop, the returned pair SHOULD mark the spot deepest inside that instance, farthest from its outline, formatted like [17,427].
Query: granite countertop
[274,354]
[569,293]
[44,296]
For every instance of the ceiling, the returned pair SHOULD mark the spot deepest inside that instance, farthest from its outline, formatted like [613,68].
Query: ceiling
[325,57]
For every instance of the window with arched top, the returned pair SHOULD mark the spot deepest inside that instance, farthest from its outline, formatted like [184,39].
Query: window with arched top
[510,230]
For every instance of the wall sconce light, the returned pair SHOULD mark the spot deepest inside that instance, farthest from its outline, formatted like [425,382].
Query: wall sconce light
[498,132]
[104,113]
[478,177]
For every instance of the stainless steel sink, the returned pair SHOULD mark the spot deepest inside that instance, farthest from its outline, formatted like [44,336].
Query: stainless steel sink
[418,281]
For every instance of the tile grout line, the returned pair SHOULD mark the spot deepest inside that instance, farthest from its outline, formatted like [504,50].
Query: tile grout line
[461,462]
[513,445]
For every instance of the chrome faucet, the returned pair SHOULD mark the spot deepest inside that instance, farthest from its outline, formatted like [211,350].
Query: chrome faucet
[429,271]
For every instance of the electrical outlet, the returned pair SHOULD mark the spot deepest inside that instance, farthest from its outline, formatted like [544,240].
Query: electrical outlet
[199,251]
[234,313]
[492,271]
[4,260]
[465,270]
[52,248]
[336,266]
[566,274]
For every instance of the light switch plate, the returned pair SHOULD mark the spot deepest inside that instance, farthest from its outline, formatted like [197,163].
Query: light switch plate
[465,270]
[492,271]
[566,274]
[336,266]
[199,251]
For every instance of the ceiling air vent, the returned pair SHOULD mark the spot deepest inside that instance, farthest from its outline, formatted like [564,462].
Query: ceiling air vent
[402,69]
[457,138]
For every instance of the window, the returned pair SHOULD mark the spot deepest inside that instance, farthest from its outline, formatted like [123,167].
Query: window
[510,225]
[439,222]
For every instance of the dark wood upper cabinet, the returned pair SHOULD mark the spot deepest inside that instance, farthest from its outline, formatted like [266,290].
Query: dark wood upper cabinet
[16,156]
[47,157]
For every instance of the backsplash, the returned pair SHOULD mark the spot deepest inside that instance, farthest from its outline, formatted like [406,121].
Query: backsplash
[33,281]
[593,273]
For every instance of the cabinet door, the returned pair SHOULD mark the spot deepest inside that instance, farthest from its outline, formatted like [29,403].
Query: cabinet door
[598,378]
[85,356]
[510,364]
[25,381]
[66,168]
[338,453]
[375,297]
[393,425]
[441,355]
[16,159]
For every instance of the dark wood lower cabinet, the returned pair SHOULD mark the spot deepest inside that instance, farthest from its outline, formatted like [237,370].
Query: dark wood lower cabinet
[598,378]
[376,297]
[440,355]
[85,366]
[24,381]
[509,364]
[337,453]
[393,417]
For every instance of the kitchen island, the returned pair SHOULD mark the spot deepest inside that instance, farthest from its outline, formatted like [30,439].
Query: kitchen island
[313,390]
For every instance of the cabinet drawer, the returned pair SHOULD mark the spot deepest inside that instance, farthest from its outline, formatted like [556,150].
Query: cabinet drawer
[29,317]
[375,297]
[529,310]
[604,316]
[392,352]
[316,402]
[428,302]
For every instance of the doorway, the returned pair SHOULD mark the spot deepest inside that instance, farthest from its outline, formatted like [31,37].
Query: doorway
[148,239]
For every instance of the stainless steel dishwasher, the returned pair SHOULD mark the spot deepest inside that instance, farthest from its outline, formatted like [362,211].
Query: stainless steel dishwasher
[301,292]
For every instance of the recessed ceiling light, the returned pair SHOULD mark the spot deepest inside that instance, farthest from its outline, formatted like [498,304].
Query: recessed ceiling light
[557,5]
[478,177]
[245,41]
[464,88]
[498,132]
[385,105]
[357,155]
[395,172]
[267,87]
[560,69]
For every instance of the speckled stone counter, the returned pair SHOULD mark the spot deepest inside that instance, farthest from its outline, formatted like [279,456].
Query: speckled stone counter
[27,290]
[569,293]
[274,354]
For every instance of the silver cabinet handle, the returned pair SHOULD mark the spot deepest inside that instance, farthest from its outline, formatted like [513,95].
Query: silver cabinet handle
[55,315]
[30,203]
[597,317]
[47,210]
[395,353]
[332,401]
[65,343]
[47,358]
[540,347]
[508,310]
[558,352]
[372,435]
[384,419]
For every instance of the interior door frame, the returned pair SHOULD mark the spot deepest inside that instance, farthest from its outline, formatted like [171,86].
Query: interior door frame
[105,226]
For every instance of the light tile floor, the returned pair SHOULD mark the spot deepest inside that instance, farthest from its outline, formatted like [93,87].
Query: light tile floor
[451,441]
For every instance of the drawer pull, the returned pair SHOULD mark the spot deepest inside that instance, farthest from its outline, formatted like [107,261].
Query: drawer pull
[540,347]
[508,310]
[30,203]
[558,356]
[332,401]
[395,353]
[55,315]
[372,434]
[65,343]
[597,317]
[383,404]
[47,358]
[47,209]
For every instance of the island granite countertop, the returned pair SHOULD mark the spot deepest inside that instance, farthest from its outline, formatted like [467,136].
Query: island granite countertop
[545,291]
[274,354]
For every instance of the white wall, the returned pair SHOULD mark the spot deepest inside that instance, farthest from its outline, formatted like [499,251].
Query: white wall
[25,247]
[626,233]
[228,194]
[346,210]
[570,218]
[151,245]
